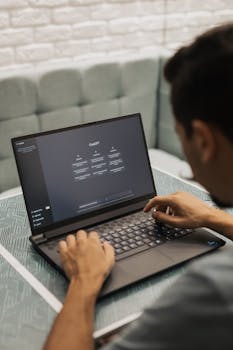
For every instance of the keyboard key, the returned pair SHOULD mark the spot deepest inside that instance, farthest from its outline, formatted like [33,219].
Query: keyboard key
[133,245]
[168,238]
[119,251]
[117,245]
[126,248]
[140,243]
[129,230]
[130,235]
[143,230]
[150,233]
[152,244]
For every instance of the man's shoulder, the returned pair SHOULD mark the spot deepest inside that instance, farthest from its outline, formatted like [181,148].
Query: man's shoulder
[207,280]
[194,311]
[213,262]
[215,272]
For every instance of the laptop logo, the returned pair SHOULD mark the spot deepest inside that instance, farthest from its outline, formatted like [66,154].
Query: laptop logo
[212,243]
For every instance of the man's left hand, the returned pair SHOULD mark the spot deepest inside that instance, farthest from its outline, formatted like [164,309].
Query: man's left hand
[87,260]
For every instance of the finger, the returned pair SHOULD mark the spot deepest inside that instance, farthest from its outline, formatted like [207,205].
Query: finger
[158,201]
[162,207]
[109,253]
[63,249]
[169,210]
[93,235]
[81,236]
[71,241]
[169,219]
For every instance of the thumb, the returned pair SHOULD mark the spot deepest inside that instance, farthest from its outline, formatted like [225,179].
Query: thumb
[110,254]
[168,219]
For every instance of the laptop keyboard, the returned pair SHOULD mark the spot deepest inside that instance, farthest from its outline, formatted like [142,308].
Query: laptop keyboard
[134,233]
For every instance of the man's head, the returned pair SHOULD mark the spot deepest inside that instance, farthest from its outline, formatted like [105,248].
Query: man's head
[201,78]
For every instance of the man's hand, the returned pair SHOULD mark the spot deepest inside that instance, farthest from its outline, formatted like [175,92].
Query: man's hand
[180,209]
[86,260]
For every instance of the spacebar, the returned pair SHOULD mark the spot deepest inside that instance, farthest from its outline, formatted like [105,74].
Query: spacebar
[131,252]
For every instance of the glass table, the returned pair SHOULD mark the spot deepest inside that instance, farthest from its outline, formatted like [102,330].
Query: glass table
[25,316]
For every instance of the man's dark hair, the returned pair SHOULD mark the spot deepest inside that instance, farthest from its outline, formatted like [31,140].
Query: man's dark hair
[201,78]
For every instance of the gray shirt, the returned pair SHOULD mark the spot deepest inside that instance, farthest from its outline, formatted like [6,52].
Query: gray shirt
[195,313]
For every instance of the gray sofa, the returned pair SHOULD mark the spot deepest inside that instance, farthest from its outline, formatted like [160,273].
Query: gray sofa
[60,96]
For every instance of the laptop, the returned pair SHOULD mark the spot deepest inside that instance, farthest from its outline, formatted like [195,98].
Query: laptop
[97,176]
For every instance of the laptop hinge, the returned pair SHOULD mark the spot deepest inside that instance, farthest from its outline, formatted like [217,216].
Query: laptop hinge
[37,239]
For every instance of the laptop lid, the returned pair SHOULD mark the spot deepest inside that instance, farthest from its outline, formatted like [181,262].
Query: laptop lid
[82,171]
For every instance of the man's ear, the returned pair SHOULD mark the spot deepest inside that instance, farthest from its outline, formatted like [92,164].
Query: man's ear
[204,138]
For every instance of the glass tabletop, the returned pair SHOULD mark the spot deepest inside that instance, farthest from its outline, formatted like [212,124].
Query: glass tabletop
[25,317]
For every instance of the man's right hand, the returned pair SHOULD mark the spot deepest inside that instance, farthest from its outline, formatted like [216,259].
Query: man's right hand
[180,209]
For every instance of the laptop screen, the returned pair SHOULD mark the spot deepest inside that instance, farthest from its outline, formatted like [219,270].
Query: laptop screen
[71,172]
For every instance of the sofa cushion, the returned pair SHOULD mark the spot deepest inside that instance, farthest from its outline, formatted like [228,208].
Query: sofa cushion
[170,163]
[147,105]
[18,97]
[8,174]
[60,118]
[101,82]
[13,128]
[167,138]
[139,93]
[101,110]
[58,89]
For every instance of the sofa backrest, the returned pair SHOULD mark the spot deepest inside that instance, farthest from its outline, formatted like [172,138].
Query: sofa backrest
[35,101]
[167,139]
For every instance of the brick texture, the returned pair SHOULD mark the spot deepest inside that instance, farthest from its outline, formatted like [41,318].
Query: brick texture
[35,32]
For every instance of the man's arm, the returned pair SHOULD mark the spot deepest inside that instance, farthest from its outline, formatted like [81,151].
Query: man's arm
[87,262]
[187,211]
[193,313]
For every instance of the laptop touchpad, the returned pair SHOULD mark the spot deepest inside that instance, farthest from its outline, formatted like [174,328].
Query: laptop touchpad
[134,268]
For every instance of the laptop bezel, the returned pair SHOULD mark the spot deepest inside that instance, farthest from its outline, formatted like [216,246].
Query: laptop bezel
[107,209]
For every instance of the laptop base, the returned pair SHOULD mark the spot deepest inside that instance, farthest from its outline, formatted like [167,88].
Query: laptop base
[147,263]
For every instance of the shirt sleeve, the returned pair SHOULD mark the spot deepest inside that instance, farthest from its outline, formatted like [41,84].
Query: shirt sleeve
[192,314]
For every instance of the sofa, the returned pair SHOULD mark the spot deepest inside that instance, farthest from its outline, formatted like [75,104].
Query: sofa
[57,96]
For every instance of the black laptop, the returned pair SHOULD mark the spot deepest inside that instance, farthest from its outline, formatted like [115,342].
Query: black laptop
[97,176]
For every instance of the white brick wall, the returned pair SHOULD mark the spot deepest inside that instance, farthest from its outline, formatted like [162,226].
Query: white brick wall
[34,32]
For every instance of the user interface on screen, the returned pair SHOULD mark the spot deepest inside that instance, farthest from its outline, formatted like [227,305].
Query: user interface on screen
[78,170]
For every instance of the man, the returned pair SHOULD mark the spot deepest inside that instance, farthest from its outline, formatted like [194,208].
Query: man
[197,312]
